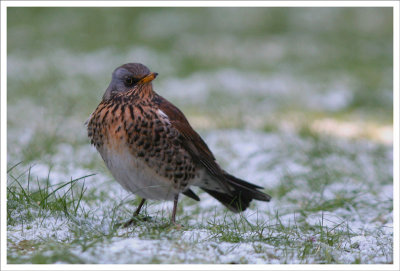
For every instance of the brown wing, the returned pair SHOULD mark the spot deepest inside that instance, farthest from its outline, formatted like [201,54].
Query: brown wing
[192,141]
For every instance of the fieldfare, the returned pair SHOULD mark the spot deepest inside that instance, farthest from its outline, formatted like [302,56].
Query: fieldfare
[151,149]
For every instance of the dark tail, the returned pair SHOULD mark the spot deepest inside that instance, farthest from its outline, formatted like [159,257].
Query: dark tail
[241,196]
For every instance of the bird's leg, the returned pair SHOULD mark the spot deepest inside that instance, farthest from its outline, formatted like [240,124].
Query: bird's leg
[139,207]
[135,214]
[174,209]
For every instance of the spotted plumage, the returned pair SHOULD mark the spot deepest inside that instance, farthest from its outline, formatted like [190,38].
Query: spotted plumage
[151,149]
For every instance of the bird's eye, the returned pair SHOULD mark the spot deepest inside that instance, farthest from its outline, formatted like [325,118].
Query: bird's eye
[129,81]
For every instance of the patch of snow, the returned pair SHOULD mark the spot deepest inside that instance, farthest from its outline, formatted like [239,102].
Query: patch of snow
[54,228]
[264,159]
[327,219]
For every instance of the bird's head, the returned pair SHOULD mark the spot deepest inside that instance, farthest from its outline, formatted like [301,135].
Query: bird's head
[130,76]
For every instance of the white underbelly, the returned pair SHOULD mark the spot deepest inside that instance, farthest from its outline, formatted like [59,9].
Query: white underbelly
[135,176]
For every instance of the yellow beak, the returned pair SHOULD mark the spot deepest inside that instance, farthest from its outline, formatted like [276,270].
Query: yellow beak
[148,78]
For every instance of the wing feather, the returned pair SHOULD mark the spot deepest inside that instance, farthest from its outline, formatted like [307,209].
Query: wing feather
[192,141]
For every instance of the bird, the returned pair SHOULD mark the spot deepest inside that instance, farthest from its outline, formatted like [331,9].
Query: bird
[151,149]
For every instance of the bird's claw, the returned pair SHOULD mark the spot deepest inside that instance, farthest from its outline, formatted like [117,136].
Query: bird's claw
[133,220]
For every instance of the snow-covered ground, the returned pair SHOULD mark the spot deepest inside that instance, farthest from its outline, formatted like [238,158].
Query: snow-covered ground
[344,193]
[298,101]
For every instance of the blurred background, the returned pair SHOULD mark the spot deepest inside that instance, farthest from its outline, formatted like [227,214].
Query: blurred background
[297,100]
[300,69]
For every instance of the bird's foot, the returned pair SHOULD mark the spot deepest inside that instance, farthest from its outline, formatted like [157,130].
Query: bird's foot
[175,225]
[134,220]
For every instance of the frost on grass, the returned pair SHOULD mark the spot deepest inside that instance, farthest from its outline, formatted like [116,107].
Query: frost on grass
[332,203]
[331,196]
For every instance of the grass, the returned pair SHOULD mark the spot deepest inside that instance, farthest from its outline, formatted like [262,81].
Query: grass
[307,122]
[287,233]
[43,198]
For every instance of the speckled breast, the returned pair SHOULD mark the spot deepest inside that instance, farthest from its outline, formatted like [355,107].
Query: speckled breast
[139,146]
